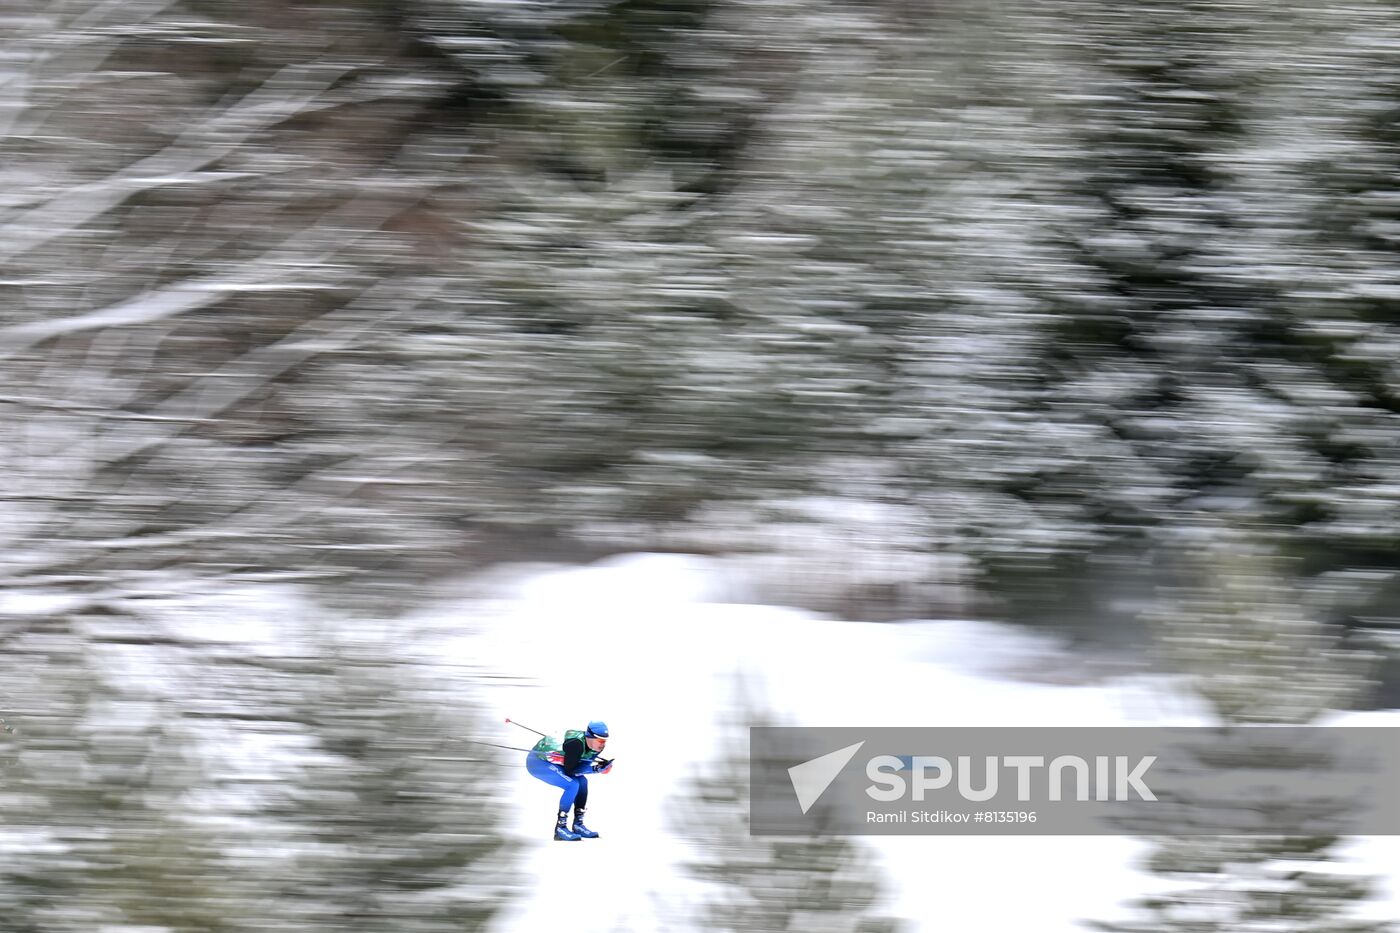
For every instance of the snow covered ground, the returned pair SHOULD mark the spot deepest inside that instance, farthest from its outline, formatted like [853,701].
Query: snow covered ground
[644,643]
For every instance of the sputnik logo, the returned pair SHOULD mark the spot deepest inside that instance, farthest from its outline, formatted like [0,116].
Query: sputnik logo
[811,778]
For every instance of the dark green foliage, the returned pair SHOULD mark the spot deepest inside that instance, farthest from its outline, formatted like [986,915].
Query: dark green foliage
[1244,637]
[231,790]
[1051,281]
[758,883]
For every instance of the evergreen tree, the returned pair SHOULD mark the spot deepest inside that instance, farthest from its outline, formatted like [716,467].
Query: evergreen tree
[1141,338]
[386,826]
[1244,638]
[1328,139]
[94,828]
[171,781]
[817,883]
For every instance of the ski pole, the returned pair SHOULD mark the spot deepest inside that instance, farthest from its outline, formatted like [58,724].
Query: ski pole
[523,726]
[513,748]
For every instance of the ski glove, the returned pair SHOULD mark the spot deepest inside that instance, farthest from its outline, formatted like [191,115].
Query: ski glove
[602,765]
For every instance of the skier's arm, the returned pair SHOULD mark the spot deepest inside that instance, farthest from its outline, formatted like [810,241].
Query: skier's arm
[573,754]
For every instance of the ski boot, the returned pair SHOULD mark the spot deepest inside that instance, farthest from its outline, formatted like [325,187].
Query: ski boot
[581,831]
[561,830]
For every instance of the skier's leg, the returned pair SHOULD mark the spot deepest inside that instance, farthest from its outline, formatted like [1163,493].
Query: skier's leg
[553,774]
[581,798]
[566,799]
[580,802]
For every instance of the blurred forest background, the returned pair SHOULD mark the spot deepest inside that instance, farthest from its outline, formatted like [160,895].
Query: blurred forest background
[994,307]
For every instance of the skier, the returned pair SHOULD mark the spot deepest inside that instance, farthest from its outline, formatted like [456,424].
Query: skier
[567,765]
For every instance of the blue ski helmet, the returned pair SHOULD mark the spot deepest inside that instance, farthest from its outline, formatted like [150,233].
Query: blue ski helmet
[598,728]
